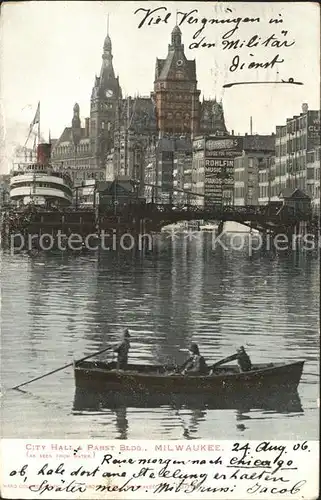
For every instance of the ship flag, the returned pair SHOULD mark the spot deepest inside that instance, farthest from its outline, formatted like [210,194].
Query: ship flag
[37,117]
[35,121]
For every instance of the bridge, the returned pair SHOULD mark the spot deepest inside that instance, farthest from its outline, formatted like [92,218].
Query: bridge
[135,216]
[275,218]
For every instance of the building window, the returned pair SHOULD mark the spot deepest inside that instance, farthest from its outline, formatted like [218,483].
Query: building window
[310,173]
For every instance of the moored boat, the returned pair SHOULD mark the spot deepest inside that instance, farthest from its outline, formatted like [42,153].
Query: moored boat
[39,183]
[268,378]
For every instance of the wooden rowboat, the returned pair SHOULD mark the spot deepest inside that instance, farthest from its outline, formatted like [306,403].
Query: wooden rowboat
[268,378]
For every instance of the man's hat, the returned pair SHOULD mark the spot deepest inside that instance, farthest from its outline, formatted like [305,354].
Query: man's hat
[194,348]
[126,333]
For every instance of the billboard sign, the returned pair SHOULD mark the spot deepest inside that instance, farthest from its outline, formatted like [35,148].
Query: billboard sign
[313,139]
[198,144]
[224,144]
[221,153]
[219,163]
[219,168]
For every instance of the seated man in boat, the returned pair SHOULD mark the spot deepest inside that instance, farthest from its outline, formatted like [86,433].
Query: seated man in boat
[243,360]
[122,351]
[195,365]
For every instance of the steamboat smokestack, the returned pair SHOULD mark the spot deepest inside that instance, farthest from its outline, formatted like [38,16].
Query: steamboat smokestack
[43,153]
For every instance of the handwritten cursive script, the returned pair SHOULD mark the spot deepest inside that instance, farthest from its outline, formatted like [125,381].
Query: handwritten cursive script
[250,469]
[289,81]
[231,30]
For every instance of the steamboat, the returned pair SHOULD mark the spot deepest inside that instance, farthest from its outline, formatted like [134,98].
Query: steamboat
[39,183]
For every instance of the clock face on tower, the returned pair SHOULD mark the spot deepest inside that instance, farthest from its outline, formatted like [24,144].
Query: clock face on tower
[109,93]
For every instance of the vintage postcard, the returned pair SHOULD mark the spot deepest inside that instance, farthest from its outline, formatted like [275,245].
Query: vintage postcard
[160,237]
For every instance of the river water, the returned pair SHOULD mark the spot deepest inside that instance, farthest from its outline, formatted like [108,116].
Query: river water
[57,307]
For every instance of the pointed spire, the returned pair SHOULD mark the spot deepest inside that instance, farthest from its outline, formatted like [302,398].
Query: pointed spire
[218,117]
[75,119]
[176,37]
[107,84]
[107,42]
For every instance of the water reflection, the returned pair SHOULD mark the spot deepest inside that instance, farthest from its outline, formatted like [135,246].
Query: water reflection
[188,410]
[121,422]
[59,307]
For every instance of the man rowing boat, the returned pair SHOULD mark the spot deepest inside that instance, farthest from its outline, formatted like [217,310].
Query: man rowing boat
[195,364]
[242,358]
[122,350]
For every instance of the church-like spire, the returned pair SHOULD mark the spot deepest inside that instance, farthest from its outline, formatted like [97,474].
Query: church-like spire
[107,43]
[107,69]
[176,37]
[218,122]
[76,125]
[76,119]
[106,85]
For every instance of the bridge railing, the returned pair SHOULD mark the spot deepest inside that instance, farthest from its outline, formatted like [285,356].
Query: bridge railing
[215,209]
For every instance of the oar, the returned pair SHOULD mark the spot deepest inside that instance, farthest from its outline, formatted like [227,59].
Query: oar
[223,361]
[218,363]
[62,368]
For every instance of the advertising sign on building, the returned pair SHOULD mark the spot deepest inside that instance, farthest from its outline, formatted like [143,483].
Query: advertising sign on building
[231,144]
[313,130]
[198,144]
[219,168]
[219,163]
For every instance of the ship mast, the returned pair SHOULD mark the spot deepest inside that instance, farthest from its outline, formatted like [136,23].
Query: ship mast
[34,122]
[39,123]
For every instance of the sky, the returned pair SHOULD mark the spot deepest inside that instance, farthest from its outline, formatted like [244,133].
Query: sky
[51,51]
